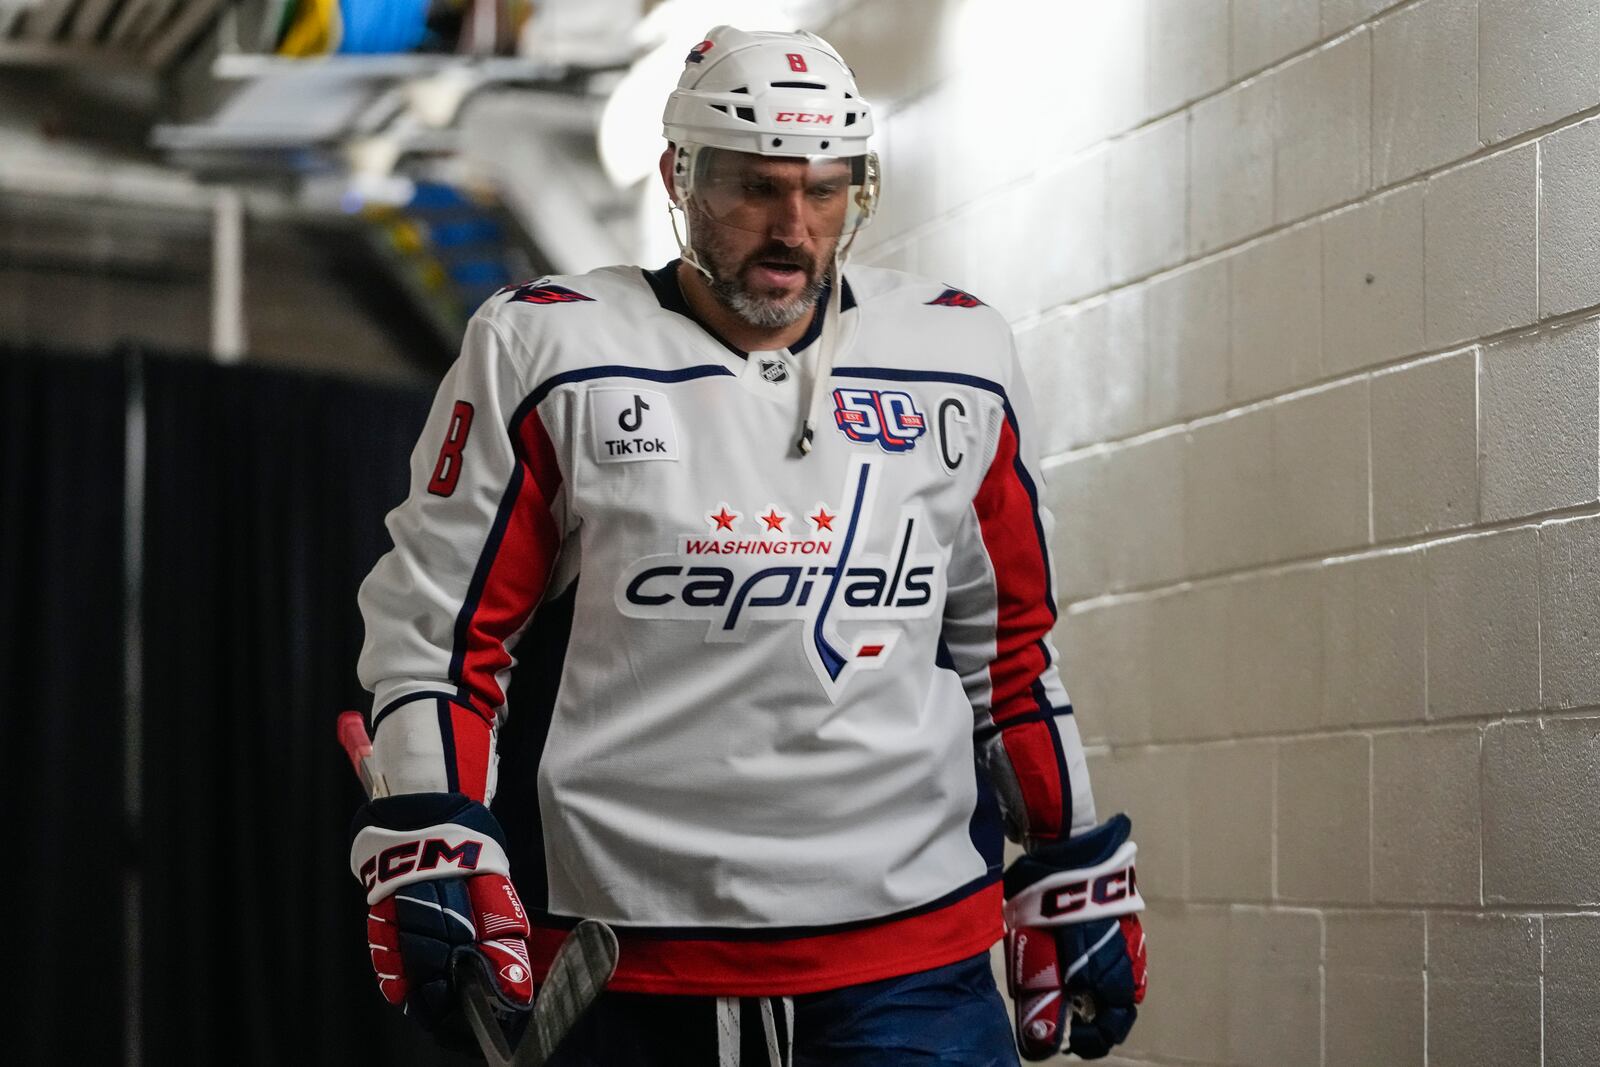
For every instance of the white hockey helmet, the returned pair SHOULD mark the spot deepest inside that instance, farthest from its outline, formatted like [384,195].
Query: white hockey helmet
[786,95]
[776,94]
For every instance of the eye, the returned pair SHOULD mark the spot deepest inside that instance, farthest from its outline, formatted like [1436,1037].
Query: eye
[824,190]
[757,187]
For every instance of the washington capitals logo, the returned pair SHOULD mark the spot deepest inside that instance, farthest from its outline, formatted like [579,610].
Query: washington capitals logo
[542,293]
[830,579]
[955,298]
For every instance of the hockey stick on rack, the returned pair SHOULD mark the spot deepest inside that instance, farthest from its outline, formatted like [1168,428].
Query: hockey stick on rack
[582,966]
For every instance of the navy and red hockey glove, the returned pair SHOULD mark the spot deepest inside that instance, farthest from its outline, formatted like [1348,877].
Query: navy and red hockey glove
[435,871]
[1074,943]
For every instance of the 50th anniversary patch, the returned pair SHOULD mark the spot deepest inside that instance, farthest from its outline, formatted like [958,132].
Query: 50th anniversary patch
[886,417]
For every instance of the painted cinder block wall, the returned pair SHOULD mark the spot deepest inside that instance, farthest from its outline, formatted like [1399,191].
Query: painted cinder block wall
[1308,295]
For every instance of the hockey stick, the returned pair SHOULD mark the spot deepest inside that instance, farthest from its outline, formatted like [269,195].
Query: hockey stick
[578,974]
[476,1000]
[582,966]
[358,746]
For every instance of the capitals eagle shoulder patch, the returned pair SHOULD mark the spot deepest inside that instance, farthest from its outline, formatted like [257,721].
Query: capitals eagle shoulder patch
[956,298]
[541,292]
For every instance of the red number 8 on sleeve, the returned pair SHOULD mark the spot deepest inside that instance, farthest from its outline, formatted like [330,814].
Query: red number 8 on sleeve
[447,472]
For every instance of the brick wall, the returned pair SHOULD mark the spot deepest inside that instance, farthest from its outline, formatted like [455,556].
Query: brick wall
[1307,294]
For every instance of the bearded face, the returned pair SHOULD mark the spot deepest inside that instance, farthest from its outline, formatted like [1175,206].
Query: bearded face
[770,286]
[765,230]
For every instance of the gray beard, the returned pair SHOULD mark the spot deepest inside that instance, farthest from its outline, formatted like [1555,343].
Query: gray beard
[763,313]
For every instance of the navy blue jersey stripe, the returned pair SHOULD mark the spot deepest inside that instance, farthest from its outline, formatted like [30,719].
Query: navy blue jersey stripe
[986,827]
[833,660]
[611,370]
[447,738]
[898,374]
[983,733]
[1066,778]
[399,702]
[775,933]
[1028,486]
[480,577]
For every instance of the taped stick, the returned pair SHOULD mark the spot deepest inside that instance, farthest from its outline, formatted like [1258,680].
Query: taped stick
[358,746]
[477,1002]
[578,975]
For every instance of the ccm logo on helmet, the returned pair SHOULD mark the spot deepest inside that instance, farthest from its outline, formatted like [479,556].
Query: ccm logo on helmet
[813,118]
[1075,896]
[400,859]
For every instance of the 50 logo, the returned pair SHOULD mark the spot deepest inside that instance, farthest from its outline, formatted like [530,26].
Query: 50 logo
[887,417]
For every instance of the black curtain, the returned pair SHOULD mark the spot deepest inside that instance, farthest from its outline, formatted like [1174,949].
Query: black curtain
[265,498]
[61,730]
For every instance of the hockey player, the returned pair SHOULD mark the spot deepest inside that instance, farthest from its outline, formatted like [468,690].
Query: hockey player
[795,511]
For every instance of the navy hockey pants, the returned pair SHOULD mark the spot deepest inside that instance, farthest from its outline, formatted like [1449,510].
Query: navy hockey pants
[952,1016]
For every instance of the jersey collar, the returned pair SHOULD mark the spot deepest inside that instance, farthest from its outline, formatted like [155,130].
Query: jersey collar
[669,294]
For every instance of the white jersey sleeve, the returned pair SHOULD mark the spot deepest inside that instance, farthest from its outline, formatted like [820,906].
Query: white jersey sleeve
[475,545]
[998,617]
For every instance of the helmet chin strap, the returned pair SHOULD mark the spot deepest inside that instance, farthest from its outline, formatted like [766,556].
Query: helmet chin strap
[816,384]
[822,366]
[686,253]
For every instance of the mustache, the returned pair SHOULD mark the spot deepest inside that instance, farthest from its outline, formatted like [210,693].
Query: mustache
[787,256]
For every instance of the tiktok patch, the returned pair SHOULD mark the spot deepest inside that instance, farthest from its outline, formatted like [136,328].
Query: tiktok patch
[629,425]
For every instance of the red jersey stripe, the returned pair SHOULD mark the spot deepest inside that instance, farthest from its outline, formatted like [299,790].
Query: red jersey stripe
[1007,518]
[520,570]
[472,738]
[1031,747]
[792,966]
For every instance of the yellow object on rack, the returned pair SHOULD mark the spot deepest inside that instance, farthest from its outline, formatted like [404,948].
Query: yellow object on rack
[315,30]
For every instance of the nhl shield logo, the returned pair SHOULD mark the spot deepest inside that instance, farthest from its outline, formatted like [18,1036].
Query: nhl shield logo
[774,370]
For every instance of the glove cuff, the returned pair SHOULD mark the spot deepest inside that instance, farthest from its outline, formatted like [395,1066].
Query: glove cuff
[1085,850]
[418,837]
[1084,879]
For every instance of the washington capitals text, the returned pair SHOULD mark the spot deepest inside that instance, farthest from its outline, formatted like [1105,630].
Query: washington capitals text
[847,582]
[714,587]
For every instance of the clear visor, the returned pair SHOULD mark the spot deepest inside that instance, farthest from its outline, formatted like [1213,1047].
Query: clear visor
[818,196]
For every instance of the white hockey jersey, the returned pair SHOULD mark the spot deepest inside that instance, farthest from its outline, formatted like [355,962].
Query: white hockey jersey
[760,767]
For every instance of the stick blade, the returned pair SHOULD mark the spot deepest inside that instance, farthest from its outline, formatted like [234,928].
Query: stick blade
[472,989]
[582,966]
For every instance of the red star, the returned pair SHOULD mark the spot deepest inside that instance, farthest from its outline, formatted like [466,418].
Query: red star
[774,520]
[822,520]
[724,518]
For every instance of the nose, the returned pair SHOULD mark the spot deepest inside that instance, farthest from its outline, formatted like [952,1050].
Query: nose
[789,219]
